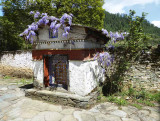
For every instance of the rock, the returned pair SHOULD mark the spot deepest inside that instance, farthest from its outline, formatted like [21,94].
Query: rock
[128,119]
[152,109]
[87,117]
[47,116]
[94,110]
[4,104]
[106,107]
[3,89]
[68,111]
[129,109]
[135,117]
[102,117]
[119,113]
[17,119]
[28,113]
[143,113]
[12,87]
[155,115]
[14,113]
[84,116]
[68,118]
[147,118]
[56,108]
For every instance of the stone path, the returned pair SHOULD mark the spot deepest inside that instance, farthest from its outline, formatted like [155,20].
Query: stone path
[14,106]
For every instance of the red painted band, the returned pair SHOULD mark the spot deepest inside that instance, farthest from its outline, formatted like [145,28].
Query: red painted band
[72,54]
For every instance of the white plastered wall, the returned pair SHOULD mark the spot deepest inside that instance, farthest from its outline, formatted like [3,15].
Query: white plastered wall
[38,73]
[18,59]
[84,76]
[75,33]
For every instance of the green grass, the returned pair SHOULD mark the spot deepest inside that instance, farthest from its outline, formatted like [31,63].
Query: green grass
[137,98]
[24,81]
[137,106]
[146,102]
[118,101]
[6,77]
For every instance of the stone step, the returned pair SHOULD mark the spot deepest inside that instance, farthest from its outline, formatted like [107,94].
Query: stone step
[63,98]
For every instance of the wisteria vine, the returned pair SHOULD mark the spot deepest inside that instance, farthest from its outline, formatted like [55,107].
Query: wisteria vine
[53,22]
[105,59]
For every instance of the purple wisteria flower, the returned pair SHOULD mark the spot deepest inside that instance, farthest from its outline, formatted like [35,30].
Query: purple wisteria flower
[65,34]
[53,24]
[116,35]
[104,31]
[28,36]
[33,33]
[25,32]
[95,57]
[111,34]
[55,31]
[36,15]
[110,47]
[57,26]
[44,14]
[122,37]
[67,29]
[40,22]
[45,20]
[64,17]
[32,12]
[52,18]
[104,59]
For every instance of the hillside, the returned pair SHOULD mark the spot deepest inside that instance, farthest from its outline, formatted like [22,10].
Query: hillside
[114,22]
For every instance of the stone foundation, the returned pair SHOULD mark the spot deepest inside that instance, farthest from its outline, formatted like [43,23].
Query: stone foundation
[63,98]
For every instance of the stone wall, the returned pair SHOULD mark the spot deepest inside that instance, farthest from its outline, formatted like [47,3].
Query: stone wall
[16,63]
[145,73]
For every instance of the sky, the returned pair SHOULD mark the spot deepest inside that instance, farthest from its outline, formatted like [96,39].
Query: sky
[152,7]
[1,9]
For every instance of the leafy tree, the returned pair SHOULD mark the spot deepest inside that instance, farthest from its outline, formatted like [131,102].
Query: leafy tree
[137,37]
[86,12]
[14,22]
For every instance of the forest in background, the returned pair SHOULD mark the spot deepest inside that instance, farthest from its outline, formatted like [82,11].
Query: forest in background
[114,22]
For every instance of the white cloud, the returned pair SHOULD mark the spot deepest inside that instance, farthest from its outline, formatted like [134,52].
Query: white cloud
[156,23]
[117,6]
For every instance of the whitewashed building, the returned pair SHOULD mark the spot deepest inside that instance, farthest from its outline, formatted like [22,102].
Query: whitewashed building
[68,62]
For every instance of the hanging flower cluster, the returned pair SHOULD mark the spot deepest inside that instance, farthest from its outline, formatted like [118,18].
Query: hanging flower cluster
[53,22]
[114,37]
[105,59]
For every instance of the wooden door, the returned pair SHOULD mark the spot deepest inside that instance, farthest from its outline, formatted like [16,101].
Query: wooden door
[58,70]
[61,73]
